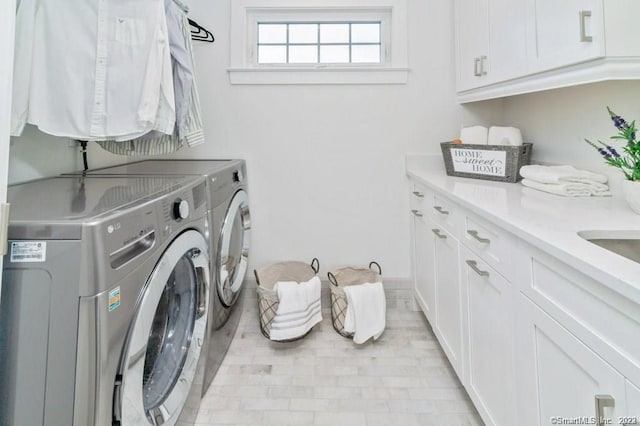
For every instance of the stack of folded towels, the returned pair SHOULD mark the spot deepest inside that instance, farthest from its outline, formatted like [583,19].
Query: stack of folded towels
[565,180]
[494,135]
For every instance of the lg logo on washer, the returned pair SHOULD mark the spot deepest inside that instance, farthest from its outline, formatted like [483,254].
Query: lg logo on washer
[113,227]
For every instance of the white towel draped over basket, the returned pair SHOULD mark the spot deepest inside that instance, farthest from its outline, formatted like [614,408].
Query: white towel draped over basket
[358,303]
[288,299]
[299,308]
[366,307]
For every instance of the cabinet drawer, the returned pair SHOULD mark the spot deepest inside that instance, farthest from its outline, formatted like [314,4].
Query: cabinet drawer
[446,214]
[488,242]
[604,320]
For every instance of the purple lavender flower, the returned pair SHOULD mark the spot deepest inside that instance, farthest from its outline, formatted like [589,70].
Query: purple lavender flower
[613,151]
[604,153]
[618,121]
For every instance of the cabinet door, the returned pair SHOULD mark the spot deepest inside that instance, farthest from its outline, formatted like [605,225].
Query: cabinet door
[564,32]
[448,327]
[559,376]
[633,406]
[490,339]
[507,56]
[424,262]
[472,32]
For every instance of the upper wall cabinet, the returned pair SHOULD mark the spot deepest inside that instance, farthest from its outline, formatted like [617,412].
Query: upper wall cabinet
[490,41]
[532,45]
[564,32]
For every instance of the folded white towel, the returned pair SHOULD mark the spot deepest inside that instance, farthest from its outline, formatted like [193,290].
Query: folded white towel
[366,311]
[559,174]
[504,136]
[569,189]
[474,135]
[299,309]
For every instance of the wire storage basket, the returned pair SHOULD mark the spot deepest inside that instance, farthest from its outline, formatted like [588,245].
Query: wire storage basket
[267,277]
[342,278]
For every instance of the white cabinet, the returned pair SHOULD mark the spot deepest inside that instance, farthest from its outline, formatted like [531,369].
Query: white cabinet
[435,260]
[470,312]
[488,319]
[423,254]
[633,405]
[448,324]
[560,377]
[533,340]
[564,32]
[533,45]
[472,23]
[490,41]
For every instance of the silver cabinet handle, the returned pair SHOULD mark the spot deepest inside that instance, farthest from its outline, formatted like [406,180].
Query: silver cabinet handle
[474,265]
[440,210]
[475,235]
[482,70]
[584,14]
[418,194]
[417,213]
[603,401]
[476,67]
[438,234]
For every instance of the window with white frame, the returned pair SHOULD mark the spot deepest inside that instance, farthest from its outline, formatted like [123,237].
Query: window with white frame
[299,42]
[357,42]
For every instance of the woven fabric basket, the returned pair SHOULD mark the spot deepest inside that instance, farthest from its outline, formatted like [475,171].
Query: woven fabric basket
[267,277]
[339,280]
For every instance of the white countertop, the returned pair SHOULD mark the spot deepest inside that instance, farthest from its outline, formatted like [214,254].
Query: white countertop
[549,222]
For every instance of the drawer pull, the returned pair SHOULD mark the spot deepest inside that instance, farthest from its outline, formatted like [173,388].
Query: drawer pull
[475,235]
[418,194]
[603,401]
[474,265]
[417,213]
[438,234]
[440,210]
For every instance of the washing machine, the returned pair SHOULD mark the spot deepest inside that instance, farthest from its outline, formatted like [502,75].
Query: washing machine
[105,301]
[229,215]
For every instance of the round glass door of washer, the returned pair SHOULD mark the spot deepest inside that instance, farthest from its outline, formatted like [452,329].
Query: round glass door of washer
[166,337]
[233,248]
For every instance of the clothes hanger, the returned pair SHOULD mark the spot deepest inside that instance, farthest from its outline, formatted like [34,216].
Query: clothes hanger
[200,33]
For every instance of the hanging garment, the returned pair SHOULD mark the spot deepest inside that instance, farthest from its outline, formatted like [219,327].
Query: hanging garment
[93,69]
[188,128]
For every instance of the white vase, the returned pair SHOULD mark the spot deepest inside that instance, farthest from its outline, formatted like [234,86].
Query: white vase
[631,190]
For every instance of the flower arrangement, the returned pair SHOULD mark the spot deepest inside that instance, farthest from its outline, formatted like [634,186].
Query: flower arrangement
[629,163]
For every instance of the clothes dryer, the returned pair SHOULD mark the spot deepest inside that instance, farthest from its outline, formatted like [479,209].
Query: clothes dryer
[105,301]
[229,215]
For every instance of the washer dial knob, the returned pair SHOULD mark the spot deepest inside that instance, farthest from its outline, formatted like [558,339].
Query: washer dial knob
[180,209]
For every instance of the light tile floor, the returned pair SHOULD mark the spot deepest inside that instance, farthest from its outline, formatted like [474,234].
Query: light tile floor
[403,378]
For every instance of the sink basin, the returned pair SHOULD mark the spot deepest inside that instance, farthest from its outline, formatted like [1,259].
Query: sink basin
[623,243]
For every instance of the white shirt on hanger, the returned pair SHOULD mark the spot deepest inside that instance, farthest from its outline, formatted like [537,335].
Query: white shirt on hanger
[93,69]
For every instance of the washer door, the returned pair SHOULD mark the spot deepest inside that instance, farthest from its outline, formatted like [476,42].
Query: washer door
[166,336]
[233,250]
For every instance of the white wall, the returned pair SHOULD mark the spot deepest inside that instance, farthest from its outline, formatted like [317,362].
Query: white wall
[325,163]
[557,121]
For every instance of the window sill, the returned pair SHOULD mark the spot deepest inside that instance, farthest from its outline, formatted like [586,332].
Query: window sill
[329,75]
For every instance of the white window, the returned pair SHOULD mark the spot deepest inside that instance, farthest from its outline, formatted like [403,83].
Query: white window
[356,42]
[299,42]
